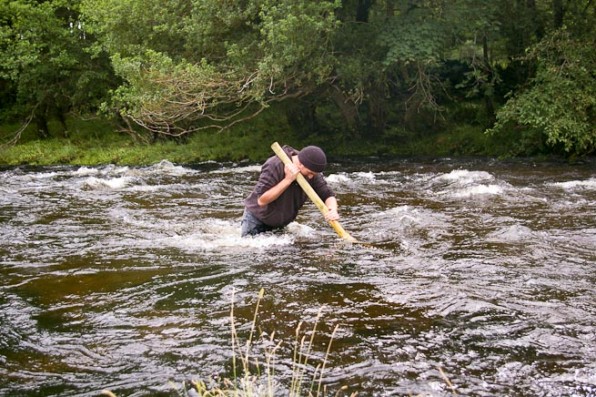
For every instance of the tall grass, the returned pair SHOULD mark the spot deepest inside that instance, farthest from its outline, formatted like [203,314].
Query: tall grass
[98,141]
[254,377]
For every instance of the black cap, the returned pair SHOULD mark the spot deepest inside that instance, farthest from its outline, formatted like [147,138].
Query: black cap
[313,158]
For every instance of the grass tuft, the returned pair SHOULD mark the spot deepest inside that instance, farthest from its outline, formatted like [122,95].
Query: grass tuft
[254,377]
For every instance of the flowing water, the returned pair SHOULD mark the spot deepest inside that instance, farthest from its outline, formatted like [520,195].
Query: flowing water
[479,280]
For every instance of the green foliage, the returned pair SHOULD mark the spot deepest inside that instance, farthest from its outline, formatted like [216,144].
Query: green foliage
[294,38]
[34,43]
[358,59]
[414,37]
[198,65]
[461,140]
[43,57]
[130,27]
[561,99]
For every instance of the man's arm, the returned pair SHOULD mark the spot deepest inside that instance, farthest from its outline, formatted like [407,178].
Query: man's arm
[272,194]
[332,214]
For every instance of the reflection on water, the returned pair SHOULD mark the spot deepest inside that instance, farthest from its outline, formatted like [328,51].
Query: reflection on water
[121,278]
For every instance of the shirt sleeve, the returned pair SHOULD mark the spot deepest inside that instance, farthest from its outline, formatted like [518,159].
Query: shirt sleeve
[319,184]
[272,172]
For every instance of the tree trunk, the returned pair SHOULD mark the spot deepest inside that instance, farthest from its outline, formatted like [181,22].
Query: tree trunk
[537,27]
[363,10]
[301,116]
[558,13]
[41,121]
[348,109]
[377,112]
[489,90]
[62,119]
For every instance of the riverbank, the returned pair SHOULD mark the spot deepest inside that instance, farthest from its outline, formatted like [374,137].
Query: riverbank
[98,142]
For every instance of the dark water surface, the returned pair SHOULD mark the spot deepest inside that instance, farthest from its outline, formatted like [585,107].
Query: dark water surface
[123,278]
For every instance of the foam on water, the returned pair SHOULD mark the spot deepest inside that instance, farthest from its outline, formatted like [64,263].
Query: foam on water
[339,179]
[463,184]
[480,190]
[365,176]
[240,170]
[86,171]
[466,176]
[589,184]
[168,168]
[223,236]
[94,183]
[514,234]
[206,234]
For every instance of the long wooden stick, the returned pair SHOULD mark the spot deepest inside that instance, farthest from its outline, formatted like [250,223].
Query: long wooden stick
[310,192]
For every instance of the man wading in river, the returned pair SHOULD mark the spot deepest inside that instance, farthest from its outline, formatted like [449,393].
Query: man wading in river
[277,197]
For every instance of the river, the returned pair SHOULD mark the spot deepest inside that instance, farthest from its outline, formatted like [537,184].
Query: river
[477,280]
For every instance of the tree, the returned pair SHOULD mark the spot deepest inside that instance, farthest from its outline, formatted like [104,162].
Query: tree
[559,101]
[391,55]
[45,63]
[206,65]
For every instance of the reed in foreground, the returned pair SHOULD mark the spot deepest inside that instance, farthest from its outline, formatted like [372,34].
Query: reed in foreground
[255,377]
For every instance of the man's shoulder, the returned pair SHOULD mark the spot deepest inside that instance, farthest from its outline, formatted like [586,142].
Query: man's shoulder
[276,161]
[290,151]
[272,165]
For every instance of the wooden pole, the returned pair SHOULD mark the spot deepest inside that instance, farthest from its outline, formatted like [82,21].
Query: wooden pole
[310,192]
